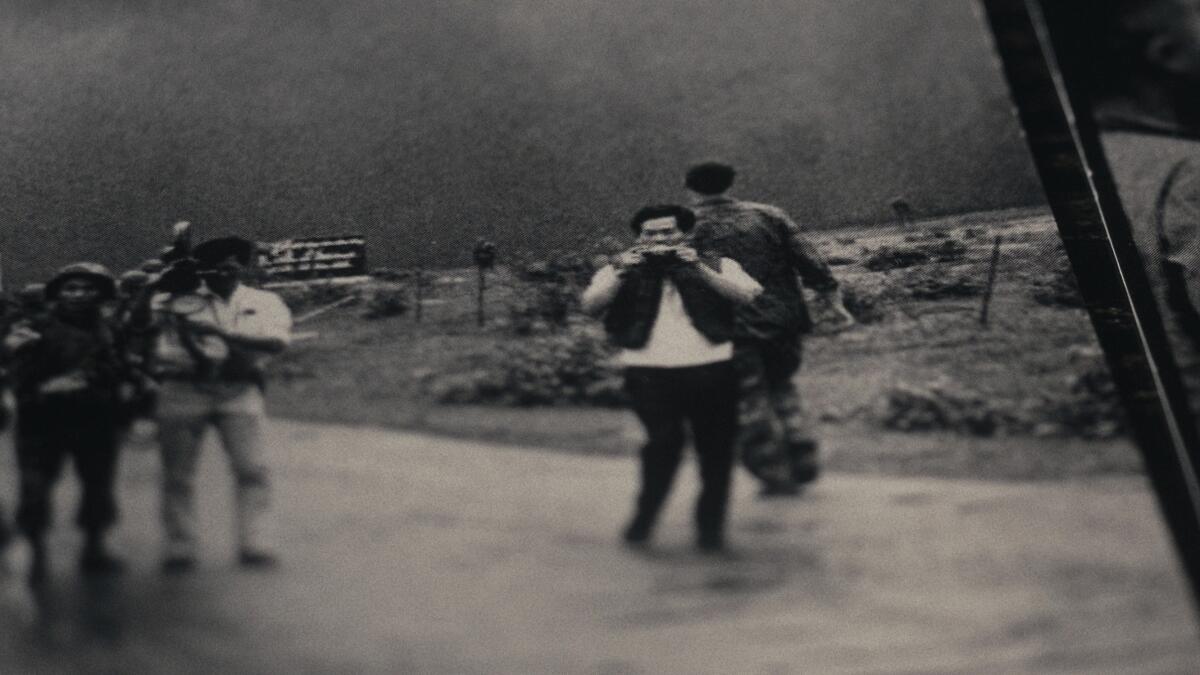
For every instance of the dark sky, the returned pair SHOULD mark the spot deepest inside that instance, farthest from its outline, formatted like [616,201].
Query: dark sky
[428,123]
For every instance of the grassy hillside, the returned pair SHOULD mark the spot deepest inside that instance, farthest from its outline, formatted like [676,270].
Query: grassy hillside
[428,123]
[919,386]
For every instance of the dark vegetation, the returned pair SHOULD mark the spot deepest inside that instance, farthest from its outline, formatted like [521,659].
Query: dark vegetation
[919,363]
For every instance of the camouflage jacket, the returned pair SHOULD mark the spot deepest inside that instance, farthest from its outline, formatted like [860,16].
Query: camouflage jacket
[773,250]
[92,348]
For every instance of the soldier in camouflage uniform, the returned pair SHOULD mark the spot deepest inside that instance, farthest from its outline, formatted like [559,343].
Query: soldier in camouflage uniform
[69,375]
[776,442]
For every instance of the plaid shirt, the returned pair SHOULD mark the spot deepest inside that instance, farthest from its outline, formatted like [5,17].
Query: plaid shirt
[772,249]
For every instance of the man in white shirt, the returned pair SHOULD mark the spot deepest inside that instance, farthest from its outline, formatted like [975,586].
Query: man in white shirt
[209,356]
[671,310]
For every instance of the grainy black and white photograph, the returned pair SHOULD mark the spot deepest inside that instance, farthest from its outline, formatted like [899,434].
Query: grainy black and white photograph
[536,336]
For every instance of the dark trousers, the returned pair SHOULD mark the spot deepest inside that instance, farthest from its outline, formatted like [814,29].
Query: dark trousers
[5,532]
[42,447]
[705,398]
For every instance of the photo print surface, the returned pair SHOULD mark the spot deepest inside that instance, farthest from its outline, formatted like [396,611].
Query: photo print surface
[833,402]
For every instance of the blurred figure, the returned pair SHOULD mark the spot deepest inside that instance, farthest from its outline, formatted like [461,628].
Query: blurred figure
[209,354]
[1139,62]
[69,376]
[671,310]
[131,287]
[31,301]
[776,443]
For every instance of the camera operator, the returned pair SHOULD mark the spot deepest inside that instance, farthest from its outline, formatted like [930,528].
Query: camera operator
[212,341]
[671,310]
[70,378]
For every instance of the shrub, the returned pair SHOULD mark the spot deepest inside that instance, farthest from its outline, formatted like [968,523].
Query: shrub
[1058,288]
[569,366]
[866,300]
[889,258]
[386,301]
[1092,408]
[548,293]
[935,284]
[944,405]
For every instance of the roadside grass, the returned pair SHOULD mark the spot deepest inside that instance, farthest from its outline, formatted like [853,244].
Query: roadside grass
[369,372]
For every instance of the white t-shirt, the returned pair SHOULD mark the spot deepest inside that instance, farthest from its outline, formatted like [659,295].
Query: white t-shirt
[249,311]
[674,341]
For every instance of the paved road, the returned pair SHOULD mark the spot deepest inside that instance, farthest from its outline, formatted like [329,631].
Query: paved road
[407,553]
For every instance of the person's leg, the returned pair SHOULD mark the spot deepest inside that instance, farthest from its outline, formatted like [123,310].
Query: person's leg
[94,453]
[39,464]
[713,415]
[179,438]
[655,399]
[759,431]
[242,437]
[798,433]
[5,530]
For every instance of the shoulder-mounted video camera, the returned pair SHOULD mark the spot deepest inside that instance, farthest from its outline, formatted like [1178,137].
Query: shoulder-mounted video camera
[181,281]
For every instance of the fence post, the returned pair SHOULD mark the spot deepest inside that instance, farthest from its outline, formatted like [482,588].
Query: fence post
[420,284]
[991,283]
[480,319]
[484,255]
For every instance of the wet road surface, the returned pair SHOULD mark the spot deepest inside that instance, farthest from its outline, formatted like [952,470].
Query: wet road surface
[407,553]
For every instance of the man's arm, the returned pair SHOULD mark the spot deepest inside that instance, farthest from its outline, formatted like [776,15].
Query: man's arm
[805,258]
[270,331]
[731,281]
[602,291]
[812,268]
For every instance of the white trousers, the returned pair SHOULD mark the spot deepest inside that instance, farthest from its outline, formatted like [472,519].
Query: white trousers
[183,420]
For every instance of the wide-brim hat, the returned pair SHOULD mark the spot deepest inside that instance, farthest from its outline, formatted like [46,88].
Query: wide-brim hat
[209,254]
[94,272]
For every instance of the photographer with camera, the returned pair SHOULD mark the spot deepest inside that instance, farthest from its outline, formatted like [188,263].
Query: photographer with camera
[671,310]
[71,383]
[213,335]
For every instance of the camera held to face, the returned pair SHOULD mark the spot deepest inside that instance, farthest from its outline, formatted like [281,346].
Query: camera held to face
[659,256]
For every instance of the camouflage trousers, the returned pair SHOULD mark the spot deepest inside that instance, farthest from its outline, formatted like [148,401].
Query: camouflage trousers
[775,438]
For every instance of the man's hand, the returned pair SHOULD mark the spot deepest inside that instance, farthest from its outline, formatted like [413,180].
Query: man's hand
[627,261]
[836,308]
[20,336]
[64,384]
[687,255]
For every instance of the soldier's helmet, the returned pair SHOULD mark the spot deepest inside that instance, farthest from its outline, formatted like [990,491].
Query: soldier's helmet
[94,272]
